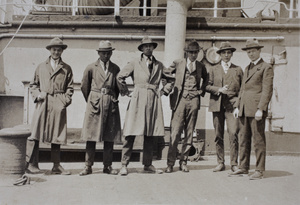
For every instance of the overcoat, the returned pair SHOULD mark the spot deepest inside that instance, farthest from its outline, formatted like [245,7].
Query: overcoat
[218,79]
[49,121]
[256,90]
[102,115]
[179,67]
[144,114]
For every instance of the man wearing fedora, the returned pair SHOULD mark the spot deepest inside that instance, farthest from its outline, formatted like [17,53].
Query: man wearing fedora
[52,90]
[224,85]
[252,107]
[144,116]
[102,116]
[185,102]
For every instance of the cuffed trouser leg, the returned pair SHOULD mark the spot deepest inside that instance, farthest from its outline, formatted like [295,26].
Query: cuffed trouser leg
[148,150]
[108,153]
[245,142]
[127,149]
[233,130]
[218,121]
[90,153]
[55,153]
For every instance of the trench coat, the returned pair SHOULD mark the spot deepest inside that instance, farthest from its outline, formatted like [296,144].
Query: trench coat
[102,115]
[256,90]
[217,79]
[144,114]
[49,122]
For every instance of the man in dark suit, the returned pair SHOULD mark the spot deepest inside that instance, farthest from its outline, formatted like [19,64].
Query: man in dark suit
[252,107]
[185,102]
[224,85]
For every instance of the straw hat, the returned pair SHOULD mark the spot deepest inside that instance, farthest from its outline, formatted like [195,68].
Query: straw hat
[105,46]
[56,42]
[147,40]
[225,46]
[252,43]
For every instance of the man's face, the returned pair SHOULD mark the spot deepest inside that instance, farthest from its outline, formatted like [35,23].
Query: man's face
[147,49]
[56,52]
[253,54]
[226,55]
[105,55]
[192,55]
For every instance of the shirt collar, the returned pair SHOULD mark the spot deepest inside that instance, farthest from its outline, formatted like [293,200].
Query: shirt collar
[255,62]
[102,64]
[228,63]
[189,61]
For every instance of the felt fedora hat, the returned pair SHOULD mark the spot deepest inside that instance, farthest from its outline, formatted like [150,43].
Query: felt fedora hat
[147,40]
[56,42]
[225,46]
[252,43]
[105,46]
[192,46]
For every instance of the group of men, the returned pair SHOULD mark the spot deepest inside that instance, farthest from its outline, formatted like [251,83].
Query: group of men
[239,98]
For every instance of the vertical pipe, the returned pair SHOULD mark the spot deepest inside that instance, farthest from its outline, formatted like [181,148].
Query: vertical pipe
[117,8]
[74,7]
[215,8]
[145,8]
[291,7]
[298,9]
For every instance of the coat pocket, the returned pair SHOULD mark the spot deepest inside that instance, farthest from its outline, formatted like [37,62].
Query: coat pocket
[95,102]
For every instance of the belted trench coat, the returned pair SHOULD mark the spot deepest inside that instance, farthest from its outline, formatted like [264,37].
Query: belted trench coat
[49,122]
[144,114]
[102,115]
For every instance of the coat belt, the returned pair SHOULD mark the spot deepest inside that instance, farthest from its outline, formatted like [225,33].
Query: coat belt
[148,86]
[104,91]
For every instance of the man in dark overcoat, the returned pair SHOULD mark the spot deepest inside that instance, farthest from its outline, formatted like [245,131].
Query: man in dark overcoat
[252,108]
[52,90]
[102,116]
[224,85]
[144,116]
[185,102]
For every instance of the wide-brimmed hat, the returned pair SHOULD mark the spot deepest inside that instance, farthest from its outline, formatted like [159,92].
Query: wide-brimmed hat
[56,42]
[105,46]
[225,46]
[147,40]
[252,43]
[192,45]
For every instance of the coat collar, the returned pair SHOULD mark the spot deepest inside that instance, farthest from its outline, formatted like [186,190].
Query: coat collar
[101,70]
[59,66]
[253,70]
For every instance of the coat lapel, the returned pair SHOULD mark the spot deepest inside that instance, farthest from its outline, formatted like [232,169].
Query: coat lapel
[253,70]
[143,65]
[181,71]
[59,67]
[99,70]
[109,71]
[155,68]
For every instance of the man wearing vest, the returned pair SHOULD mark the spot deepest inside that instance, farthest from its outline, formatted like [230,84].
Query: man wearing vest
[224,85]
[252,107]
[185,102]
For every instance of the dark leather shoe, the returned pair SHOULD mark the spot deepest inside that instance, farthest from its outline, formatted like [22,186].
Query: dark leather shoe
[87,170]
[220,167]
[256,175]
[169,169]
[184,168]
[58,169]
[31,169]
[110,170]
[234,168]
[240,171]
[150,169]
[123,171]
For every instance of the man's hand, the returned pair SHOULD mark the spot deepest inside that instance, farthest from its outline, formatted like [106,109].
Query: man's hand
[223,89]
[42,96]
[236,113]
[258,115]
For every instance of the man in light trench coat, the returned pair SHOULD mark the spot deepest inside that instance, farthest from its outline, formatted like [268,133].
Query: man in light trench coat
[52,90]
[144,116]
[102,116]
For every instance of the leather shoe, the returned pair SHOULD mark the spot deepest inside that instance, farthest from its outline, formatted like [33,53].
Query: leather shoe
[183,168]
[256,175]
[169,169]
[87,170]
[123,171]
[240,171]
[58,169]
[110,170]
[234,168]
[220,167]
[31,169]
[150,169]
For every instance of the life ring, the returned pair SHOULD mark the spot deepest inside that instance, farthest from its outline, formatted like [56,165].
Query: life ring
[212,56]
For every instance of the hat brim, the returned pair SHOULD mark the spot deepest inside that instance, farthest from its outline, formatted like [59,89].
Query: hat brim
[105,49]
[224,49]
[63,46]
[140,46]
[247,48]
[191,50]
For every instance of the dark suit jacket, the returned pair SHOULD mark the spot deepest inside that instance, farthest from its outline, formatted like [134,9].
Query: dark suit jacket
[256,90]
[218,79]
[178,67]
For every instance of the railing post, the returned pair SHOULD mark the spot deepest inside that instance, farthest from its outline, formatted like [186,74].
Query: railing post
[215,8]
[74,8]
[291,7]
[117,8]
[145,8]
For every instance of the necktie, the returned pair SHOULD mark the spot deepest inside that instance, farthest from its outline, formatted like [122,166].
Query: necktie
[249,68]
[150,64]
[191,67]
[105,67]
[226,67]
